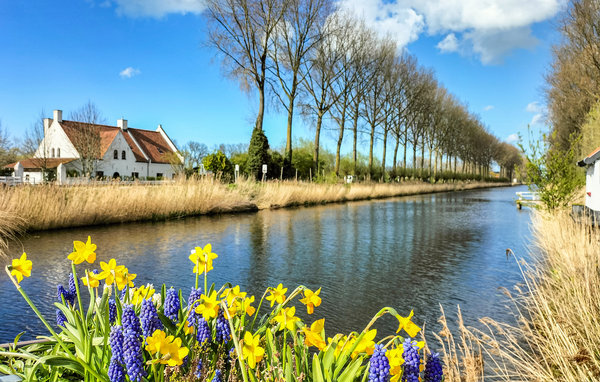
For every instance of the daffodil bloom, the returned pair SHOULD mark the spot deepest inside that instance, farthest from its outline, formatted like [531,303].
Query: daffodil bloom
[209,306]
[248,307]
[252,353]
[83,252]
[188,329]
[169,349]
[202,259]
[21,267]
[311,299]
[287,319]
[396,361]
[312,335]
[142,293]
[277,295]
[124,278]
[91,279]
[109,271]
[233,293]
[366,344]
[409,327]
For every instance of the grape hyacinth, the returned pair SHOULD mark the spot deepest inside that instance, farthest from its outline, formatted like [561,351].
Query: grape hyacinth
[149,318]
[62,292]
[379,365]
[172,305]
[115,369]
[411,361]
[203,334]
[193,302]
[198,372]
[132,345]
[433,369]
[217,377]
[72,287]
[223,330]
[60,318]
[112,310]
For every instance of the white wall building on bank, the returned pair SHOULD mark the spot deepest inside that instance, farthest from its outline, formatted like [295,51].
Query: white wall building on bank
[592,180]
[125,152]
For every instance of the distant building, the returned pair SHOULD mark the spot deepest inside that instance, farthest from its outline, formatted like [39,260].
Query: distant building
[123,151]
[592,180]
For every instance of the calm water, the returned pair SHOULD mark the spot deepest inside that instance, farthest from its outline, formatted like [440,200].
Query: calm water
[408,253]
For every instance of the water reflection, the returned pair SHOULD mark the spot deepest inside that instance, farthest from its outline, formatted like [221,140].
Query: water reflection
[409,253]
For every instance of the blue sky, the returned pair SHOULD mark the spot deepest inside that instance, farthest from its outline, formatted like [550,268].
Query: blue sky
[144,60]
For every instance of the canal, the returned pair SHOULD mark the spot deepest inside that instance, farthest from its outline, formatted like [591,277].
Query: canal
[411,253]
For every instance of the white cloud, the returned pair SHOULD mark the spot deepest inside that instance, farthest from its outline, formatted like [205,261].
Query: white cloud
[489,29]
[534,107]
[537,119]
[129,72]
[158,8]
[513,138]
[488,108]
[448,44]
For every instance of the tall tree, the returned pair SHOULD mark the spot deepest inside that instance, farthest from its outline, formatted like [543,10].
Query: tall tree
[86,138]
[242,31]
[295,36]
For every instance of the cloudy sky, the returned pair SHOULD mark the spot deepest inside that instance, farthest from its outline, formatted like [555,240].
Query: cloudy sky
[144,60]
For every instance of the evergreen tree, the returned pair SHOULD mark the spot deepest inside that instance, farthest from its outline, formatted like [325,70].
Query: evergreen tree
[258,153]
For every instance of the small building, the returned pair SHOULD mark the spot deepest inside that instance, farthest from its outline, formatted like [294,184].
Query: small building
[592,180]
[119,151]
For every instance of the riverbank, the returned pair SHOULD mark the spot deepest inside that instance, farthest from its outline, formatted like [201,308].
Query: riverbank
[33,208]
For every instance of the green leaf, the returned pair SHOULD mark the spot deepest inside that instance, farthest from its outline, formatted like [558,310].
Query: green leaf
[352,371]
[317,373]
[63,362]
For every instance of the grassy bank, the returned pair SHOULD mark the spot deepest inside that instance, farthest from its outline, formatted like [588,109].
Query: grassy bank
[50,206]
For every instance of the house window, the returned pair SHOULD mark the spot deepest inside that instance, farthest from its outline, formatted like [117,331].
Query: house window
[115,154]
[99,174]
[159,175]
[123,154]
[58,152]
[135,175]
[52,153]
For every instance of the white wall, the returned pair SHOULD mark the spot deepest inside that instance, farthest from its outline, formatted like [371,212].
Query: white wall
[126,167]
[56,138]
[592,185]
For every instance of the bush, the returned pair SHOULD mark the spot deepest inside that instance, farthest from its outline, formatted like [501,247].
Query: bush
[218,163]
[258,154]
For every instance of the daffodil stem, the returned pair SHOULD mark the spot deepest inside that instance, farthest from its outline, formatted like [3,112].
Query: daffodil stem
[283,349]
[236,343]
[77,289]
[197,273]
[258,309]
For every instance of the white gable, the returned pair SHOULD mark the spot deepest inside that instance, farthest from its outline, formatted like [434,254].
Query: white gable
[56,138]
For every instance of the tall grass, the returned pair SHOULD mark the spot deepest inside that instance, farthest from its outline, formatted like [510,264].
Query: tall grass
[50,206]
[558,308]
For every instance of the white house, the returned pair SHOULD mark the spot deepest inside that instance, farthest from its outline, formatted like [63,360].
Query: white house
[592,180]
[124,151]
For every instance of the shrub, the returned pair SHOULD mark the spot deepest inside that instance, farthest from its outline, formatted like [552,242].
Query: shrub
[258,154]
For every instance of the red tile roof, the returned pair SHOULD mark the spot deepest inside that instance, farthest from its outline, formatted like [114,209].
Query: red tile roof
[151,143]
[38,163]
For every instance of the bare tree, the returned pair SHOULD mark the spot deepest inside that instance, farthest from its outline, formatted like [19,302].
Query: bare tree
[86,136]
[242,31]
[295,36]
[35,146]
[8,153]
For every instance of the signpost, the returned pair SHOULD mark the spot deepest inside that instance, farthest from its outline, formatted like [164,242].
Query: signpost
[237,172]
[264,172]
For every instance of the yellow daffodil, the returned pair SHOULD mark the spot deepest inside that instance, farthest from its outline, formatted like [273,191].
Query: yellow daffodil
[287,319]
[366,344]
[209,306]
[311,299]
[232,294]
[396,361]
[312,335]
[277,295]
[109,271]
[142,293]
[83,252]
[248,305]
[253,353]
[203,259]
[188,329]
[340,341]
[91,279]
[170,351]
[409,327]
[21,267]
[124,278]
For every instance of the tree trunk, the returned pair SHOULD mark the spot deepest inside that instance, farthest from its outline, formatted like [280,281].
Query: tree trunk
[287,159]
[339,143]
[371,143]
[394,166]
[385,134]
[261,107]
[355,130]
[317,136]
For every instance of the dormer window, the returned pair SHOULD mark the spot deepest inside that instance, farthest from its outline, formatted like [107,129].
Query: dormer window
[123,154]
[116,154]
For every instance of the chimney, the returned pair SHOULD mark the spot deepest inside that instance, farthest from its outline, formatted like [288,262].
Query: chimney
[58,115]
[47,122]
[122,124]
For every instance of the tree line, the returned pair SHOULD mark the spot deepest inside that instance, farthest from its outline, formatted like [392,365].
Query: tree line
[309,57]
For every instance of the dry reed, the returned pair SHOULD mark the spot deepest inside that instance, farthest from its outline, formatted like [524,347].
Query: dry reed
[558,308]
